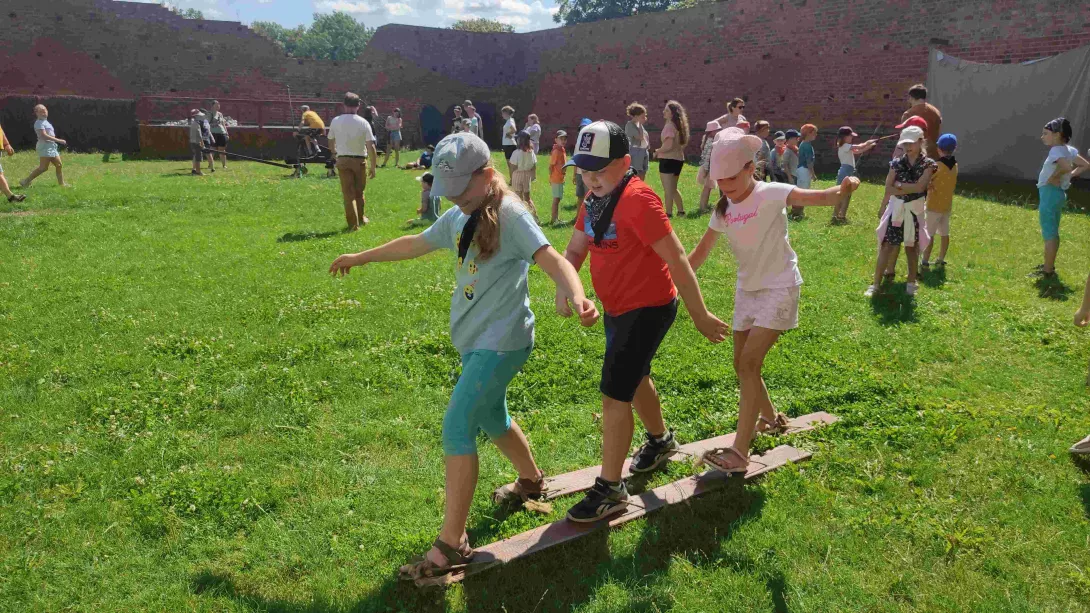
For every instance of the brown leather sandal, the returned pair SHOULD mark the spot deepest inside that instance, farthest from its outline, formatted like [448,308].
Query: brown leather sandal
[423,568]
[775,426]
[532,489]
[725,459]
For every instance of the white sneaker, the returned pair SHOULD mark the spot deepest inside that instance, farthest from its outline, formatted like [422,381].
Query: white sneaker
[871,291]
[910,289]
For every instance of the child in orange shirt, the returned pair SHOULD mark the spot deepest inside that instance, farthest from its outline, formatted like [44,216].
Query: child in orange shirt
[557,160]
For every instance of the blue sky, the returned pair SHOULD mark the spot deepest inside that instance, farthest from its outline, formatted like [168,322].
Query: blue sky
[524,15]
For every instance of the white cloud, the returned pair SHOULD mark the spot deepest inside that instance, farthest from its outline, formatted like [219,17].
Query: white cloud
[357,8]
[399,9]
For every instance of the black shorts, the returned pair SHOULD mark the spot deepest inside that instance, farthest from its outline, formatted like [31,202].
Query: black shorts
[508,150]
[632,339]
[219,140]
[671,167]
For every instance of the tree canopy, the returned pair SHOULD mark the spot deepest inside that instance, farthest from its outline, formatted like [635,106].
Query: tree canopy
[332,36]
[481,25]
[572,12]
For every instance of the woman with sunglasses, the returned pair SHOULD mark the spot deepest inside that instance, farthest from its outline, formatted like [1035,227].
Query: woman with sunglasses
[734,114]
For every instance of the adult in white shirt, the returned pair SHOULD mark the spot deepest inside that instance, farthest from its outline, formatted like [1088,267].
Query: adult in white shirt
[753,217]
[353,142]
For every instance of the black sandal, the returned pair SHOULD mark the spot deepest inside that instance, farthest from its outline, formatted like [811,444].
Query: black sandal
[16,197]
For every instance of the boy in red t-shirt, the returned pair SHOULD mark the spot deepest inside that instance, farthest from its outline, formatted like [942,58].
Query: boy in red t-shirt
[635,258]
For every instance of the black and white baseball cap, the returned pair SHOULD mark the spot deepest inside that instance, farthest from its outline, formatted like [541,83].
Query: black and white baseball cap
[598,144]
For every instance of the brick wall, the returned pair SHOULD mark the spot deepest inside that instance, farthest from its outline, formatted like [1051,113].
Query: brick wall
[828,62]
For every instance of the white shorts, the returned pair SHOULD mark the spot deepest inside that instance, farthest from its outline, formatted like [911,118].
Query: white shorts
[558,190]
[775,309]
[938,224]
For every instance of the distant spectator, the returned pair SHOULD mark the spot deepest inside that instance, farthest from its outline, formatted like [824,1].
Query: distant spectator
[353,142]
[533,128]
[734,114]
[456,124]
[206,139]
[219,132]
[638,140]
[6,148]
[424,161]
[195,142]
[557,160]
[671,155]
[762,129]
[311,127]
[394,124]
[577,176]
[510,132]
[920,107]
[429,205]
[477,126]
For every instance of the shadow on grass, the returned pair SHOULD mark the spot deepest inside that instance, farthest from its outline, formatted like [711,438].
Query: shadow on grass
[935,277]
[1013,193]
[893,306]
[295,237]
[188,172]
[567,576]
[1053,288]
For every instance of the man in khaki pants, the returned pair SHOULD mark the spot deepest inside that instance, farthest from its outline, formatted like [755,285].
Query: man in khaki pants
[353,142]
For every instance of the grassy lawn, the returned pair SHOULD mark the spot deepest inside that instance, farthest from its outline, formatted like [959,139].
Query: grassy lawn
[195,416]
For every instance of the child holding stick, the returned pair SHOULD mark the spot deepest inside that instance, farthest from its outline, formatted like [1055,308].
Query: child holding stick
[846,151]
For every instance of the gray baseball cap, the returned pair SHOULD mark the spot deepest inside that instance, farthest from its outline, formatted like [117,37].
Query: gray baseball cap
[456,158]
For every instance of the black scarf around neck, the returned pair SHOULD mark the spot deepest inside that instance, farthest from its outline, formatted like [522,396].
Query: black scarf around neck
[601,209]
[467,235]
[949,161]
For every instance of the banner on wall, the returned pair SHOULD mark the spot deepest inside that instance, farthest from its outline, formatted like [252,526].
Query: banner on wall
[997,110]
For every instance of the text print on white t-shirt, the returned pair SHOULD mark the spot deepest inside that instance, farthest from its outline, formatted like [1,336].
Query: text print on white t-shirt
[756,229]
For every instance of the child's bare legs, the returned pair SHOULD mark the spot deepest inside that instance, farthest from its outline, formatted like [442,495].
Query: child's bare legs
[944,244]
[891,268]
[43,165]
[618,426]
[4,186]
[911,254]
[556,210]
[885,254]
[212,161]
[669,185]
[705,194]
[841,210]
[514,446]
[461,482]
[749,360]
[1052,247]
[223,157]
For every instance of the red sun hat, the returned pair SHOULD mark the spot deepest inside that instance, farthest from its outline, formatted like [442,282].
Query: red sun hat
[915,120]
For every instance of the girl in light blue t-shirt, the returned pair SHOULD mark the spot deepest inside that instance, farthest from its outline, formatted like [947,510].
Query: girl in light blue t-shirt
[496,238]
[48,151]
[1061,165]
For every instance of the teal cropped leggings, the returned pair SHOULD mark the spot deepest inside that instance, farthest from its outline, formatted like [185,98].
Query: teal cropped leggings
[479,401]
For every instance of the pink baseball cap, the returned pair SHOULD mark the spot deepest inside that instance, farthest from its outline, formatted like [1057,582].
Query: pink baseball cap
[733,149]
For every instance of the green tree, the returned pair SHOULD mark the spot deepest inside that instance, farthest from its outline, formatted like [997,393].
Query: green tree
[191,14]
[332,36]
[481,25]
[572,12]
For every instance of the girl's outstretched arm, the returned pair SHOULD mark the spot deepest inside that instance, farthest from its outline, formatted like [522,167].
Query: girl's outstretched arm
[822,197]
[403,248]
[1081,166]
[569,288]
[703,249]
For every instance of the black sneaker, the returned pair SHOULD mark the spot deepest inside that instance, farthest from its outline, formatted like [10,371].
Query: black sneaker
[654,453]
[601,501]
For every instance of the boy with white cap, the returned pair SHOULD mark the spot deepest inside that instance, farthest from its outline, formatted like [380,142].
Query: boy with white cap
[635,259]
[496,239]
[901,216]
[753,216]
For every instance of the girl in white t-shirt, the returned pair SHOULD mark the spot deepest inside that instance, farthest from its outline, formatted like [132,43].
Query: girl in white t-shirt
[846,151]
[753,216]
[524,168]
[1063,163]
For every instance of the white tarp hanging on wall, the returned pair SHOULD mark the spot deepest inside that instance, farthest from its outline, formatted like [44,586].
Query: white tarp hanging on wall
[997,110]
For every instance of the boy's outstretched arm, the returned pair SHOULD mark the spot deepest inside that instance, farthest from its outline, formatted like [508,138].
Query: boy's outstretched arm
[403,248]
[569,288]
[672,252]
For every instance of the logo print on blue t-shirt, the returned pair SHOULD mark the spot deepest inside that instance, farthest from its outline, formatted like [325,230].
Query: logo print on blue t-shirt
[586,141]
[468,291]
[588,229]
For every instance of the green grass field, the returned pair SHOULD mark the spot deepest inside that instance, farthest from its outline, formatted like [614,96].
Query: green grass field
[195,416]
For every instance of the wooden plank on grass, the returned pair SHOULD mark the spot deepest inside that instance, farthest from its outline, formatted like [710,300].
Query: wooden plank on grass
[563,531]
[581,480]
